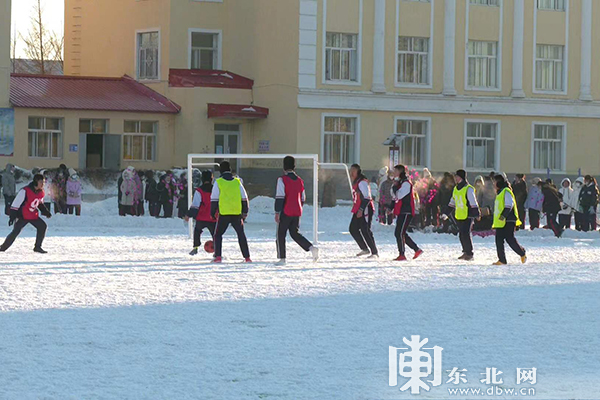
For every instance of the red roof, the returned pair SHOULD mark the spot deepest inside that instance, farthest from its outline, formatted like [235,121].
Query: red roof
[208,78]
[87,93]
[237,111]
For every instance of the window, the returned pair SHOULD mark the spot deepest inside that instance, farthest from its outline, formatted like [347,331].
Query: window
[413,60]
[548,146]
[339,136]
[341,57]
[554,5]
[148,57]
[485,2]
[483,64]
[45,137]
[204,51]
[549,71]
[412,140]
[139,140]
[93,126]
[481,145]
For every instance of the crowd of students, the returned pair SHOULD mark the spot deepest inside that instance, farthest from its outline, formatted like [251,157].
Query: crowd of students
[564,206]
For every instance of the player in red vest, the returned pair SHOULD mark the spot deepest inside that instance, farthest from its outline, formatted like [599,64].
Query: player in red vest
[24,210]
[362,213]
[200,210]
[289,201]
[404,209]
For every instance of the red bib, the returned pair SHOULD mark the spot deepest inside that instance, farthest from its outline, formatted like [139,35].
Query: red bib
[293,196]
[31,203]
[204,210]
[356,197]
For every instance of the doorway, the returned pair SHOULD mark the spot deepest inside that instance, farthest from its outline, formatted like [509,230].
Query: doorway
[228,141]
[94,151]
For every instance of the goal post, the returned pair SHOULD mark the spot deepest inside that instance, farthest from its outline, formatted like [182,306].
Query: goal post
[199,160]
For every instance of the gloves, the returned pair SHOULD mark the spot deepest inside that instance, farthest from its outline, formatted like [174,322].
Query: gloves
[244,216]
[11,221]
[444,217]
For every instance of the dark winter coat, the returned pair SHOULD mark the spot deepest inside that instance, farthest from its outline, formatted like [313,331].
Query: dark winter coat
[588,198]
[166,191]
[520,192]
[151,191]
[551,199]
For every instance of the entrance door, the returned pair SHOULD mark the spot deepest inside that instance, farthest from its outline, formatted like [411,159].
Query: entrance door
[228,141]
[112,152]
[94,151]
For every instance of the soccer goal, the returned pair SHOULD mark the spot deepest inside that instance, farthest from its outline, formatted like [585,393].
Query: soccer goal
[208,160]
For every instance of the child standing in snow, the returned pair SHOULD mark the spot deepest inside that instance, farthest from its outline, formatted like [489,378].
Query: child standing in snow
[564,215]
[128,188]
[534,203]
[74,195]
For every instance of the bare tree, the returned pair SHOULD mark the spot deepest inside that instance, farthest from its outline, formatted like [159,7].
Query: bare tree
[42,45]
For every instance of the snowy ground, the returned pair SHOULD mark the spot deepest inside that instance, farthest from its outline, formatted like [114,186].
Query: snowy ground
[118,310]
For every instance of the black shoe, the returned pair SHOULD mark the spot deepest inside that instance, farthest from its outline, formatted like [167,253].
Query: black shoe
[40,250]
[194,252]
[2,249]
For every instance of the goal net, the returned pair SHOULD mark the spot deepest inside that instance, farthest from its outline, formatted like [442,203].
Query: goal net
[259,173]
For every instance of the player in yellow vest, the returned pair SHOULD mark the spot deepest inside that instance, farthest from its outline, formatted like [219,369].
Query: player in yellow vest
[229,204]
[506,220]
[466,210]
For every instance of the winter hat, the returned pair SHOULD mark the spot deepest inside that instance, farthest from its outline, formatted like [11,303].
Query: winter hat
[72,171]
[580,180]
[426,173]
[479,178]
[75,177]
[289,163]
[207,176]
[383,171]
[224,166]
[462,174]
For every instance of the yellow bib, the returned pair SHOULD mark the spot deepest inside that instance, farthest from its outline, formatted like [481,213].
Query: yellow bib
[499,208]
[230,198]
[460,202]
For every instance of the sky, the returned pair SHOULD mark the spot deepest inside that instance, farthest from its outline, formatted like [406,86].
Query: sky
[54,11]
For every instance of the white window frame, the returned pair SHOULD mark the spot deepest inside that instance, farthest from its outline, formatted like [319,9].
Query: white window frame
[429,85]
[554,62]
[144,134]
[485,3]
[342,50]
[498,144]
[324,80]
[51,133]
[499,47]
[427,138]
[137,54]
[565,90]
[498,66]
[566,4]
[356,134]
[564,148]
[217,32]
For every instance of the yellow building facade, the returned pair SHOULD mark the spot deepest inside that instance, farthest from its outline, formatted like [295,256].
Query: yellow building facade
[502,85]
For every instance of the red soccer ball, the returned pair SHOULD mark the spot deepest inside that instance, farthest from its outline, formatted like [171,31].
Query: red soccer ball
[209,247]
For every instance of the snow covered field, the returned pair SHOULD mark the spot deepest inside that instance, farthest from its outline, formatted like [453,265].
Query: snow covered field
[118,310]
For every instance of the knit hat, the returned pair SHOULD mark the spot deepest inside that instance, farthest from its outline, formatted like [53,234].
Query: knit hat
[224,166]
[207,176]
[383,171]
[462,174]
